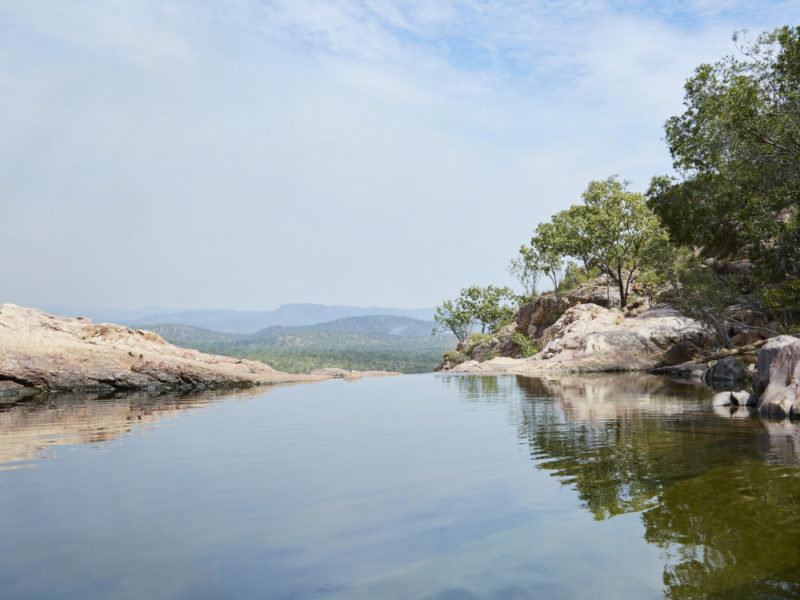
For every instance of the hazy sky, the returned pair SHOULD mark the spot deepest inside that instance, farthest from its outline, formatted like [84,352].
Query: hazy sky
[246,153]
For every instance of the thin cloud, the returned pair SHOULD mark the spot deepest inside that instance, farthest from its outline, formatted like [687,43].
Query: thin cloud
[251,153]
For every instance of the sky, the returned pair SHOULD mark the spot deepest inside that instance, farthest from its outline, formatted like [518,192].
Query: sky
[243,154]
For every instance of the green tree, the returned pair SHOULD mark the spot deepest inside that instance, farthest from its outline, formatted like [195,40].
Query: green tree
[528,269]
[489,306]
[454,316]
[700,292]
[736,150]
[547,242]
[608,231]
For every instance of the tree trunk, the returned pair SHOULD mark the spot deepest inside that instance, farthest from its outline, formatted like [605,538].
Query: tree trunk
[623,295]
[719,328]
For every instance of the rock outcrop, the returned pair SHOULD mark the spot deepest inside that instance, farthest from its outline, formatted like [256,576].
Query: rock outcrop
[766,357]
[584,332]
[502,344]
[779,373]
[40,352]
[541,312]
[591,338]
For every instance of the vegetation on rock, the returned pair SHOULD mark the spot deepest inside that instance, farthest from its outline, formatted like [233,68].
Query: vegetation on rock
[724,232]
[736,150]
[489,306]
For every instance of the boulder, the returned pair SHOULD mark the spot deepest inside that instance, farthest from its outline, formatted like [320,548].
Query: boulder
[744,398]
[740,398]
[680,353]
[538,314]
[722,399]
[766,356]
[726,372]
[748,337]
[580,319]
[781,398]
[592,338]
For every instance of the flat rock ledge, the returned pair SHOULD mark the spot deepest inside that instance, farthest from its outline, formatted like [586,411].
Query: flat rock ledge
[43,353]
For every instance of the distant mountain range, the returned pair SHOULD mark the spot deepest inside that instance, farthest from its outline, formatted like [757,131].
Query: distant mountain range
[382,342]
[234,321]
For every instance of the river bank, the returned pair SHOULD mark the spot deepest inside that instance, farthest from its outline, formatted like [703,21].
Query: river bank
[585,332]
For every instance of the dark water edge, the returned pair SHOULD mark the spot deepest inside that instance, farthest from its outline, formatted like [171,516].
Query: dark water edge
[442,487]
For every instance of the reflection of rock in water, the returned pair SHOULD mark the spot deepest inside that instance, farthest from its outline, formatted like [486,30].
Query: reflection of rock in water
[784,441]
[599,397]
[29,428]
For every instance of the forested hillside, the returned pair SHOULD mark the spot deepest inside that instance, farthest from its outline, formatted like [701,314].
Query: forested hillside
[362,343]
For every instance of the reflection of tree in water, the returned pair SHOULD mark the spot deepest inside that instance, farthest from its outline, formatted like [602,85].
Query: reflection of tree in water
[733,532]
[478,387]
[727,520]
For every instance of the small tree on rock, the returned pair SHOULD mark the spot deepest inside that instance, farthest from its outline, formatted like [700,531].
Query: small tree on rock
[453,316]
[488,306]
[528,269]
[609,231]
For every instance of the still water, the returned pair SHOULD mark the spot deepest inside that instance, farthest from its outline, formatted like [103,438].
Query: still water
[430,487]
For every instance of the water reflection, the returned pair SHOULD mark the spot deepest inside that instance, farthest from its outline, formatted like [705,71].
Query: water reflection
[482,388]
[719,496]
[32,428]
[621,486]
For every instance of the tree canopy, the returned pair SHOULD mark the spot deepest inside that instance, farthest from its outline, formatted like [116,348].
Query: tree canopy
[488,306]
[610,231]
[736,149]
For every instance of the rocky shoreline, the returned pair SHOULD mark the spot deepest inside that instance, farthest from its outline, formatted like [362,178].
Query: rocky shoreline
[584,332]
[42,353]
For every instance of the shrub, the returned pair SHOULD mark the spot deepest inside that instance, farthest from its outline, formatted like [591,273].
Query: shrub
[529,346]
